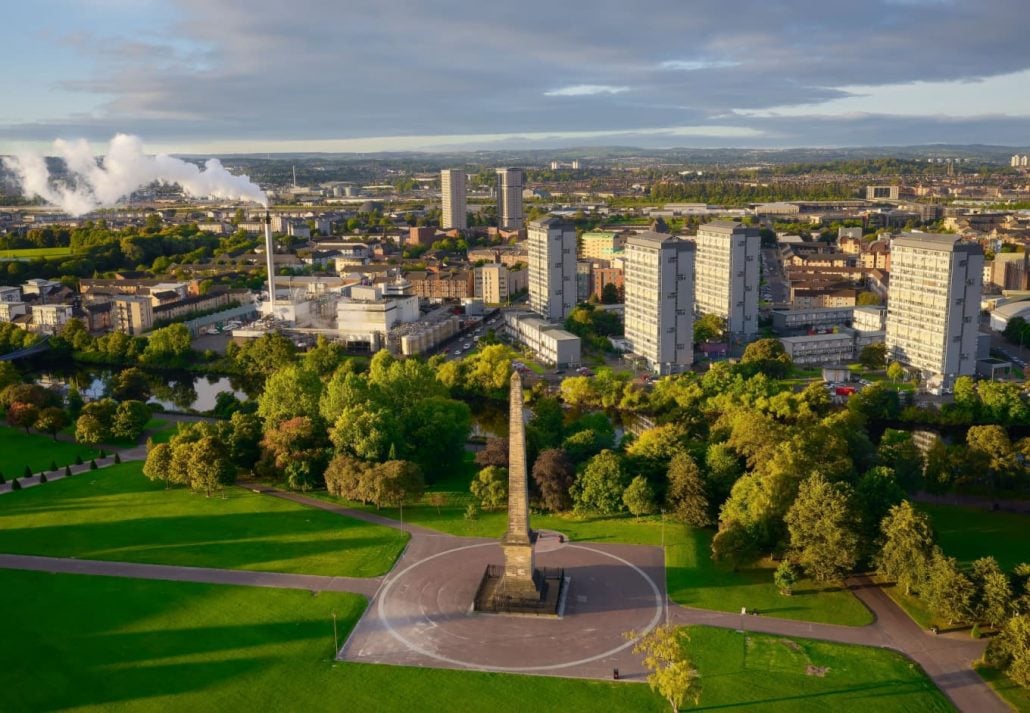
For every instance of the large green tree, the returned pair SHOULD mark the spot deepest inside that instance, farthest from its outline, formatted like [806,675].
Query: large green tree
[289,392]
[822,524]
[907,547]
[598,489]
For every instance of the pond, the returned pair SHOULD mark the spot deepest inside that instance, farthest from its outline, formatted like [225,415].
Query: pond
[174,391]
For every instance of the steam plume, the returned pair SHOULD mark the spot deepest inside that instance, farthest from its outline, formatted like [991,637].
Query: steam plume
[125,169]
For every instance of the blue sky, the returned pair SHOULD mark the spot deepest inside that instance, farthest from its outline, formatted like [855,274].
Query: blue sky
[365,75]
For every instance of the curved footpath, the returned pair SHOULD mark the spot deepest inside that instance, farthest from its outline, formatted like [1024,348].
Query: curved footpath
[946,659]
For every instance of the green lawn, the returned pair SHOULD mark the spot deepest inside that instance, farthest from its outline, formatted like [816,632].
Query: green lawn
[761,672]
[693,579]
[110,644]
[117,514]
[19,449]
[35,252]
[1014,694]
[969,533]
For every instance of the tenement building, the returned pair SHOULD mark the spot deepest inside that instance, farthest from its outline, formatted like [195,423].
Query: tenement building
[727,275]
[658,284]
[934,304]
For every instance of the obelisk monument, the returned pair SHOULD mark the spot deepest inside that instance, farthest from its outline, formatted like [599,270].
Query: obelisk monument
[518,579]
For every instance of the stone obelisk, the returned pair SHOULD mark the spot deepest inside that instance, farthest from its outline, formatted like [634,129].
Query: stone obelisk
[518,579]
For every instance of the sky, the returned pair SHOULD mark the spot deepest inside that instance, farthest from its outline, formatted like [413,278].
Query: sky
[224,76]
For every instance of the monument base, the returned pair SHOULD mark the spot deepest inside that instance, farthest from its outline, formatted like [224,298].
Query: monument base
[539,596]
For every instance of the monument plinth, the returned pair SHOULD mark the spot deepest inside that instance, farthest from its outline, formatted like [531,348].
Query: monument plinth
[519,587]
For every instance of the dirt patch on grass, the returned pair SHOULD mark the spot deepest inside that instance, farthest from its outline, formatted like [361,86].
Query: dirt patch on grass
[819,671]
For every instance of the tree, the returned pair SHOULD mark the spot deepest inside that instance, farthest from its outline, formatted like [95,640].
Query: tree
[786,576]
[348,477]
[768,357]
[297,449]
[639,497]
[876,493]
[992,600]
[1010,650]
[554,476]
[599,487]
[22,415]
[169,345]
[209,466]
[158,465]
[435,430]
[243,437]
[873,356]
[495,453]
[907,548]
[687,496]
[130,384]
[895,372]
[547,427]
[51,420]
[610,294]
[130,419]
[490,487]
[489,368]
[90,430]
[8,375]
[345,389]
[290,391]
[672,675]
[947,591]
[709,328]
[325,357]
[899,452]
[822,525]
[366,432]
[991,445]
[396,482]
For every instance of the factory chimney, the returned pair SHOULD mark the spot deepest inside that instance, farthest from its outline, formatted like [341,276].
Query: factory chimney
[270,258]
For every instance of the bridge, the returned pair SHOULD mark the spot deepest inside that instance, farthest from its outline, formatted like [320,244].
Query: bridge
[37,348]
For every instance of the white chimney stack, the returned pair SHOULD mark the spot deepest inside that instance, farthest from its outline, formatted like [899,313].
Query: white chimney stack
[270,258]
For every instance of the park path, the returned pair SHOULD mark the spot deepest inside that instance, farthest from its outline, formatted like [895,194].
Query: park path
[206,575]
[947,659]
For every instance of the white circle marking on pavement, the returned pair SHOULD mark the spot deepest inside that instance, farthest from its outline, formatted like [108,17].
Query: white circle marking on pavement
[514,669]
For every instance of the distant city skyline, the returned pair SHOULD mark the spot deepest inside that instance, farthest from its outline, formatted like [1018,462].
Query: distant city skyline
[315,75]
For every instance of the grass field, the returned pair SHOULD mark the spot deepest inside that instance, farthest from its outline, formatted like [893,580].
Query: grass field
[34,252]
[771,673]
[111,644]
[1014,694]
[19,449]
[693,579]
[117,514]
[969,533]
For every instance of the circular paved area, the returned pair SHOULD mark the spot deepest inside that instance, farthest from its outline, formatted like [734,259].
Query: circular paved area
[425,608]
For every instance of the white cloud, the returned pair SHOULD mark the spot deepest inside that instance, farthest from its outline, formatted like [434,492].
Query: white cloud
[693,65]
[585,90]
[1004,94]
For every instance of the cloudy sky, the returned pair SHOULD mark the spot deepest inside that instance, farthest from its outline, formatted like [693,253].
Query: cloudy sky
[357,75]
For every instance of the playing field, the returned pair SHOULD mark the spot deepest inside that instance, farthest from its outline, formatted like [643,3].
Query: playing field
[117,514]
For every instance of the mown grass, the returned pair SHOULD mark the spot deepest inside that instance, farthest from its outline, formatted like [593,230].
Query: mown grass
[970,533]
[1015,695]
[35,252]
[117,514]
[37,451]
[111,644]
[762,672]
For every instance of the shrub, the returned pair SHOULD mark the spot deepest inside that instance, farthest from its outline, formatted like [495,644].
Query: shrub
[102,453]
[117,458]
[67,471]
[27,473]
[78,459]
[2,481]
[472,511]
[53,465]
[92,465]
[42,477]
[15,485]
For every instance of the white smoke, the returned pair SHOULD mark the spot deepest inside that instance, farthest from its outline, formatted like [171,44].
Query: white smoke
[125,169]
